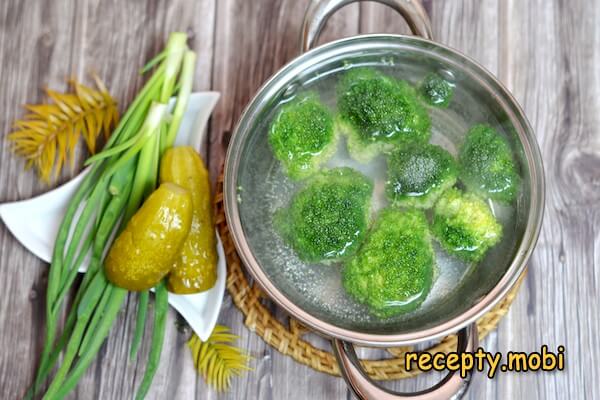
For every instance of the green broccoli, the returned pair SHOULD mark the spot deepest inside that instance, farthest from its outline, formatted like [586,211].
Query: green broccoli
[418,174]
[327,220]
[393,271]
[486,165]
[302,136]
[378,112]
[436,90]
[464,225]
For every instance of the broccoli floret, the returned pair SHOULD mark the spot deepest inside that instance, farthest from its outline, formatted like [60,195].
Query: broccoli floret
[418,174]
[378,112]
[327,220]
[486,165]
[436,91]
[302,136]
[464,225]
[393,271]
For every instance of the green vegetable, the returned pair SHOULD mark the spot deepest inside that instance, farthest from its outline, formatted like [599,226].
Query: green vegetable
[378,112]
[393,271]
[464,225]
[120,177]
[109,315]
[487,166]
[418,174]
[327,220]
[158,334]
[436,90]
[140,324]
[302,136]
[93,325]
[142,254]
[194,269]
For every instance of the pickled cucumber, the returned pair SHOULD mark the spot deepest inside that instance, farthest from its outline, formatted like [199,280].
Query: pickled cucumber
[195,267]
[143,253]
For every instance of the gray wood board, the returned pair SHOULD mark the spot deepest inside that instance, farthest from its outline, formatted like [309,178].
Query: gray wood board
[546,52]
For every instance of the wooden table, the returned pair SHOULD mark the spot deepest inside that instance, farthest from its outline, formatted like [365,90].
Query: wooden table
[546,52]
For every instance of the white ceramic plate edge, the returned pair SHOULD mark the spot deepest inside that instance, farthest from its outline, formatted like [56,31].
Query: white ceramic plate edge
[35,222]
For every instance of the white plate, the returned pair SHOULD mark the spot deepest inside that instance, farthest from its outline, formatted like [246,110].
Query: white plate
[35,222]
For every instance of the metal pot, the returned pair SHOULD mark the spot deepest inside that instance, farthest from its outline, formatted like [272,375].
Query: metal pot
[249,160]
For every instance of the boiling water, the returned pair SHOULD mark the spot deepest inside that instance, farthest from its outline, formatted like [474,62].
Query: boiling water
[318,288]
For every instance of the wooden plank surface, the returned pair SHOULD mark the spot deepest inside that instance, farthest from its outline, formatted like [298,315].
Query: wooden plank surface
[546,52]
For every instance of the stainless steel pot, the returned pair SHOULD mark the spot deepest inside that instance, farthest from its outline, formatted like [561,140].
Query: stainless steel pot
[249,159]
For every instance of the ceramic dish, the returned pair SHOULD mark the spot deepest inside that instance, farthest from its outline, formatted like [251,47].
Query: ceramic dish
[34,222]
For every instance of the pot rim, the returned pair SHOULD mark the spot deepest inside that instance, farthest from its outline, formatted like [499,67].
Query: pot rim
[481,306]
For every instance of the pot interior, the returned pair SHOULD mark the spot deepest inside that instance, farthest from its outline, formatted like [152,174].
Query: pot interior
[261,187]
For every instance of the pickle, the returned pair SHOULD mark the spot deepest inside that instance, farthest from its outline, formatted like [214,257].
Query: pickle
[143,253]
[195,269]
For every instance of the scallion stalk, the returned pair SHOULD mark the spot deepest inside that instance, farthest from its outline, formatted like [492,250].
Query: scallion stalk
[120,178]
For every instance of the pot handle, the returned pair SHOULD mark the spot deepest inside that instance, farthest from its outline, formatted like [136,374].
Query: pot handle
[451,387]
[319,11]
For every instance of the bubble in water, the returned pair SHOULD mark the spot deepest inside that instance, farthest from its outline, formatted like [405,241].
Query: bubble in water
[388,60]
[290,92]
[447,75]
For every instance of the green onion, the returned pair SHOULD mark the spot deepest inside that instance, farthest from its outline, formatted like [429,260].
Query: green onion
[140,323]
[187,74]
[120,178]
[110,313]
[158,334]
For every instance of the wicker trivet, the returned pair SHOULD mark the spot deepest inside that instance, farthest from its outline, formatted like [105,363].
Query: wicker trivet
[289,337]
